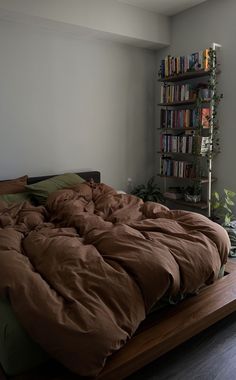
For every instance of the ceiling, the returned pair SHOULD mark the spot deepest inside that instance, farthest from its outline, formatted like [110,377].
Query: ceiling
[166,7]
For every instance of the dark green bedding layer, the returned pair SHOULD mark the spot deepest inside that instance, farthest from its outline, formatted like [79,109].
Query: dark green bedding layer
[18,352]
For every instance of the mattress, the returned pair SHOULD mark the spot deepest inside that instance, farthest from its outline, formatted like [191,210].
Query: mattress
[18,352]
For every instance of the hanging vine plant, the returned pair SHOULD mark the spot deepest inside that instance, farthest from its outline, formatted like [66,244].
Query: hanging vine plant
[215,98]
[207,92]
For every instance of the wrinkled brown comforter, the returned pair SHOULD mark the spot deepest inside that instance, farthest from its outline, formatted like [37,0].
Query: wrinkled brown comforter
[82,273]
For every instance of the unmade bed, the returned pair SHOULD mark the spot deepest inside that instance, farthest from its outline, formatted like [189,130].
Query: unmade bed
[83,271]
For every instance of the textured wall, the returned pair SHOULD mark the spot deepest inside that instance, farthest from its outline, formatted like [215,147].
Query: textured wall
[69,103]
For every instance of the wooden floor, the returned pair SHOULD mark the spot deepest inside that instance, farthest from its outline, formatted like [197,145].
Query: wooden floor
[210,355]
[175,326]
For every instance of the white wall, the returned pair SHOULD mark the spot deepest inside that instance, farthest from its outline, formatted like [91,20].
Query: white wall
[69,103]
[108,17]
[196,29]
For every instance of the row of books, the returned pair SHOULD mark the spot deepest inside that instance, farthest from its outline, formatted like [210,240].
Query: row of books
[185,144]
[179,65]
[179,118]
[188,118]
[177,93]
[173,194]
[174,168]
[177,144]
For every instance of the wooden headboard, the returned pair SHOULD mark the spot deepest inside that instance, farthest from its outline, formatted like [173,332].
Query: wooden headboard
[95,175]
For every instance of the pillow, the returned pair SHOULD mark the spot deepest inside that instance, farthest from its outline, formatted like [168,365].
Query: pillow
[17,198]
[13,186]
[42,189]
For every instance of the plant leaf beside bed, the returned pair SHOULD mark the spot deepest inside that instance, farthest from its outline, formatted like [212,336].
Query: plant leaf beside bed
[149,191]
[222,206]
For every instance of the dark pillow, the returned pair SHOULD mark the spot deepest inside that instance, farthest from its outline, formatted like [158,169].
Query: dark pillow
[13,186]
[42,189]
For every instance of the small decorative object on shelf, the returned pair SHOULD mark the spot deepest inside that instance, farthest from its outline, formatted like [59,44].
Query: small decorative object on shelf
[175,192]
[188,124]
[193,193]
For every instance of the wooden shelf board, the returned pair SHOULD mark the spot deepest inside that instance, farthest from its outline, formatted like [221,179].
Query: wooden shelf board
[198,179]
[182,129]
[178,103]
[186,129]
[198,205]
[186,76]
[188,154]
[185,102]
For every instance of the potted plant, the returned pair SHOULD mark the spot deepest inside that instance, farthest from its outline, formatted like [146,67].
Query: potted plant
[193,193]
[149,191]
[222,212]
[222,207]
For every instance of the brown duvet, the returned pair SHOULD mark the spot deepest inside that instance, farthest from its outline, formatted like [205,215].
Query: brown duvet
[82,273]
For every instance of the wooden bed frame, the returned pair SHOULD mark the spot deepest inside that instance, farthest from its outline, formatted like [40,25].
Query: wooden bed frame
[174,325]
[165,329]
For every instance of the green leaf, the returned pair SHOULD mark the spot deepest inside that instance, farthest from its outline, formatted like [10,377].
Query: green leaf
[216,195]
[226,207]
[229,202]
[229,193]
[216,205]
[227,220]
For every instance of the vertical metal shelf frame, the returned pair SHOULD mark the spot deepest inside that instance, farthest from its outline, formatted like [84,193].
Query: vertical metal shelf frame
[216,48]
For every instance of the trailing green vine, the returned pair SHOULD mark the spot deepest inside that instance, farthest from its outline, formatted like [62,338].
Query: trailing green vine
[214,148]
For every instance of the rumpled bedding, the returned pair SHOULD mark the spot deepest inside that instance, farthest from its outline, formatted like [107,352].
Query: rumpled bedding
[82,272]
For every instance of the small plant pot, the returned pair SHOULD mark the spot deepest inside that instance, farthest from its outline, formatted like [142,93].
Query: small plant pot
[192,198]
[205,93]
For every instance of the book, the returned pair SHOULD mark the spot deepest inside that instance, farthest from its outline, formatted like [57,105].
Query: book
[206,59]
[205,117]
[173,195]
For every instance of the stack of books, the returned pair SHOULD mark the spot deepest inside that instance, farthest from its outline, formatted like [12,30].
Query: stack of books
[179,118]
[180,65]
[173,193]
[174,168]
[177,93]
[177,143]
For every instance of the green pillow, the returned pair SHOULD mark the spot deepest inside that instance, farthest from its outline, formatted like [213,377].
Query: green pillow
[18,197]
[42,189]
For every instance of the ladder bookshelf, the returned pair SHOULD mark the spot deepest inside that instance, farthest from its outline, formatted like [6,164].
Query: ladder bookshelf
[188,130]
